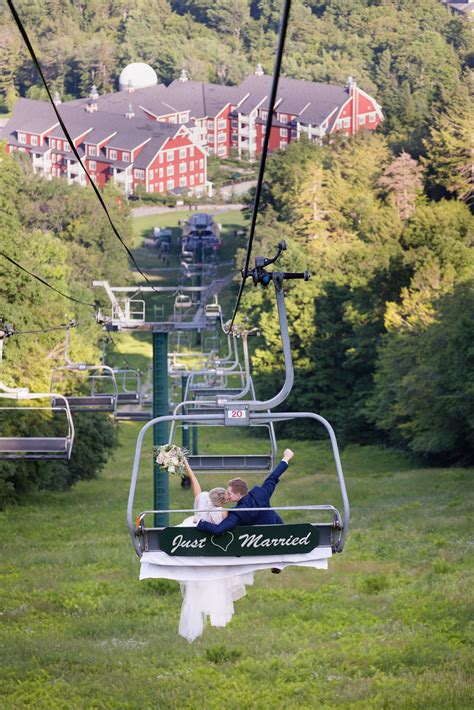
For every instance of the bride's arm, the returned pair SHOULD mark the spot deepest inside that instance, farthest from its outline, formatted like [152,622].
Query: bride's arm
[194,481]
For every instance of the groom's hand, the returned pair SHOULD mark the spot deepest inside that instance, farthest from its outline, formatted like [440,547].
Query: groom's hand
[287,455]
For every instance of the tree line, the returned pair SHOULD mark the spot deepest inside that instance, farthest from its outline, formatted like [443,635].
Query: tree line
[57,232]
[382,334]
[412,55]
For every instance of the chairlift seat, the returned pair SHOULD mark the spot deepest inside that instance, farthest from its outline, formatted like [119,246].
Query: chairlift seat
[32,447]
[128,398]
[217,391]
[233,463]
[97,403]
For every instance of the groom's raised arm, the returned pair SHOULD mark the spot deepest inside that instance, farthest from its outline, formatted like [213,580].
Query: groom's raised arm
[227,524]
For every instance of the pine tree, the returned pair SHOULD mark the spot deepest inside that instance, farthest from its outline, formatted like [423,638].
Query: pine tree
[402,178]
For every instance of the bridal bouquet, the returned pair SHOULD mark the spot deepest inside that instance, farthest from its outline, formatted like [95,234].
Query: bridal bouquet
[171,458]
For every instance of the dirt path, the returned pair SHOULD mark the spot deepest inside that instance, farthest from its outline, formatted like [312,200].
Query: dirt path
[161,209]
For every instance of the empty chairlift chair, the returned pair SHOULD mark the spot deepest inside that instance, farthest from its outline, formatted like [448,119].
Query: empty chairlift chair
[35,447]
[88,388]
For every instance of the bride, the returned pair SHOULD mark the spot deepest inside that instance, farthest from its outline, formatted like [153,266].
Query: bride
[208,598]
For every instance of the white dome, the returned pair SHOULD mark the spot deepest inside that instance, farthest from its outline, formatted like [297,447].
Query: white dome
[137,76]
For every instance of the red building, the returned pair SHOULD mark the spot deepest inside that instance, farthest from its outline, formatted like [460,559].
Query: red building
[160,136]
[132,151]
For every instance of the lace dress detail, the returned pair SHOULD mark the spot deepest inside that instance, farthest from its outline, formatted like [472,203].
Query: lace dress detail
[208,599]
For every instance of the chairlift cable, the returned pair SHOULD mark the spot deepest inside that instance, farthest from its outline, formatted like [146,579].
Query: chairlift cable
[24,34]
[263,159]
[121,354]
[45,283]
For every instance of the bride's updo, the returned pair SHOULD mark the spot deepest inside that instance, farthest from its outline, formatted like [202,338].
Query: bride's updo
[217,496]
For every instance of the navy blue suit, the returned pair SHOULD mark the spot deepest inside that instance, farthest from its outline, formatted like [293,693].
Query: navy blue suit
[258,497]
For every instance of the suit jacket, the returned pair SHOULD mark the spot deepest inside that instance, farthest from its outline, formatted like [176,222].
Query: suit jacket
[258,497]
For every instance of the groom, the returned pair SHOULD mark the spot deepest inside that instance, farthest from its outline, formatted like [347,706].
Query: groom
[258,497]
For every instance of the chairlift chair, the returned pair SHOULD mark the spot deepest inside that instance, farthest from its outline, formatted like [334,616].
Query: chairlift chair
[93,376]
[37,447]
[327,537]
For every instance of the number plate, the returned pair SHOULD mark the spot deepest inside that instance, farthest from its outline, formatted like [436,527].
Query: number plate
[236,415]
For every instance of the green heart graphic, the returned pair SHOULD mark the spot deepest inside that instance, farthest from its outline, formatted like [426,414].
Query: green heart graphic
[223,547]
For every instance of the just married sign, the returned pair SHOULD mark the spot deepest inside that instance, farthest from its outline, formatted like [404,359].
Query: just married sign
[246,540]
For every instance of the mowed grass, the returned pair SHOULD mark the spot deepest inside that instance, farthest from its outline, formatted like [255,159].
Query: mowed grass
[387,626]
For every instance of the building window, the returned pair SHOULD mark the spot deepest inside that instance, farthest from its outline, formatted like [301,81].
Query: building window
[162,187]
[173,119]
[182,152]
[182,182]
[210,125]
[222,123]
[140,174]
[92,165]
[54,157]
[201,163]
[34,140]
[283,145]
[346,122]
[161,172]
[221,138]
[152,188]
[338,123]
[210,138]
[222,150]
[151,174]
[126,157]
[361,120]
[113,154]
[169,156]
[191,179]
[283,117]
[67,148]
[170,184]
[21,138]
[201,178]
[371,117]
[191,151]
[264,115]
[182,167]
[52,142]
[234,124]
[283,132]
[92,150]
[162,157]
[170,170]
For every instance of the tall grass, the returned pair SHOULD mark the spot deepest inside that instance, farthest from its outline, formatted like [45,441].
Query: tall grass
[385,627]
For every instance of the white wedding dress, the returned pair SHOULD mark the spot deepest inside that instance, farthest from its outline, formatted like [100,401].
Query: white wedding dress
[208,598]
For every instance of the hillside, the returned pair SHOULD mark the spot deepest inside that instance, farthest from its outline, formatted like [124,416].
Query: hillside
[385,627]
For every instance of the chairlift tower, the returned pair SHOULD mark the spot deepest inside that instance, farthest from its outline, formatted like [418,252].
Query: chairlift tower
[129,313]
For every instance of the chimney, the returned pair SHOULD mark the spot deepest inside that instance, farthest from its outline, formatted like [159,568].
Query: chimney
[57,99]
[259,70]
[130,113]
[93,98]
[351,85]
[184,76]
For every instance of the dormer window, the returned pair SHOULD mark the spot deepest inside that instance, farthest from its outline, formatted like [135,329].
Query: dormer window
[113,154]
[67,147]
[22,138]
[34,140]
[283,117]
[92,150]
[126,157]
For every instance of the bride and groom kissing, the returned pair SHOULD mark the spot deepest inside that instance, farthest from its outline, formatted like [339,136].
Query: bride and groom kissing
[215,599]
[257,499]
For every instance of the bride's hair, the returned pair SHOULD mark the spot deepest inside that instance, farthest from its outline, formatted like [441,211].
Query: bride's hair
[217,496]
